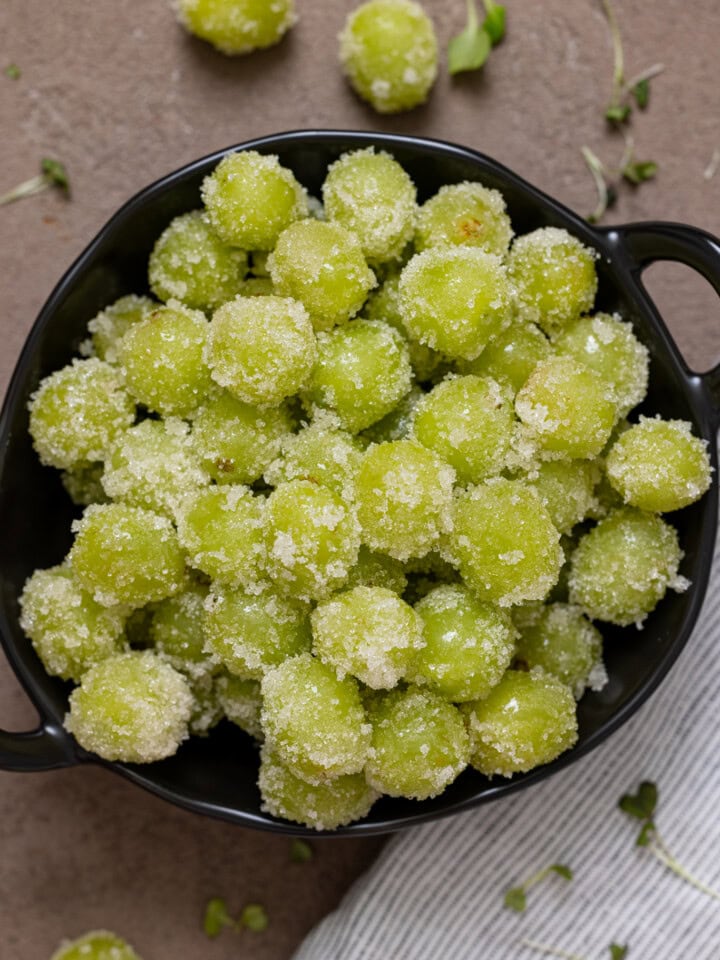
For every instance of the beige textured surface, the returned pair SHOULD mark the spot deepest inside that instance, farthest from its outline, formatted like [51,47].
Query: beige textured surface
[119,93]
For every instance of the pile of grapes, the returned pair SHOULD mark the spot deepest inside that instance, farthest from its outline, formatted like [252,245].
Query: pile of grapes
[358,480]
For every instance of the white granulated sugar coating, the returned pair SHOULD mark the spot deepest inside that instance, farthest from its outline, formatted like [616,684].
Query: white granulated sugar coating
[236,27]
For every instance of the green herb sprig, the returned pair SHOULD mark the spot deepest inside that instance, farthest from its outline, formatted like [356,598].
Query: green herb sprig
[300,851]
[624,92]
[12,71]
[470,49]
[52,174]
[617,952]
[607,180]
[516,897]
[217,918]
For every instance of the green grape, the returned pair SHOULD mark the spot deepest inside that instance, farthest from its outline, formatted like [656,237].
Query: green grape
[419,744]
[113,322]
[608,345]
[377,570]
[312,539]
[96,945]
[234,441]
[262,349]
[324,806]
[504,542]
[221,528]
[126,555]
[241,702]
[320,453]
[468,644]
[404,497]
[322,265]
[251,633]
[397,424]
[76,413]
[362,372]
[370,195]
[512,355]
[565,644]
[554,277]
[190,263]
[566,488]
[163,360]
[658,465]
[314,721]
[69,630]
[177,634]
[237,26]
[567,407]
[84,484]
[527,720]
[250,199]
[132,707]
[622,568]
[152,465]
[389,53]
[455,299]
[206,711]
[368,632]
[465,214]
[468,421]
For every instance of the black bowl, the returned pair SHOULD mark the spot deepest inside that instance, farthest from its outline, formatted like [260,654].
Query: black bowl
[217,776]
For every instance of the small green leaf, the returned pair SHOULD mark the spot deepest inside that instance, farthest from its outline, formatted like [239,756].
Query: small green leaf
[468,50]
[12,71]
[300,851]
[637,173]
[254,917]
[629,804]
[515,899]
[647,791]
[494,23]
[55,173]
[618,952]
[562,870]
[645,835]
[641,92]
[216,917]
[618,113]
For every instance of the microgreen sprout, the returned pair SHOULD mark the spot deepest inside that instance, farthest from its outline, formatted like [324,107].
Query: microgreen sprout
[606,180]
[12,71]
[300,851]
[642,806]
[217,917]
[516,897]
[52,174]
[253,917]
[470,49]
[617,952]
[637,88]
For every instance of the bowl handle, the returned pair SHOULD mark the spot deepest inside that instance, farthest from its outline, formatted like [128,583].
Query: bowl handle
[47,748]
[646,243]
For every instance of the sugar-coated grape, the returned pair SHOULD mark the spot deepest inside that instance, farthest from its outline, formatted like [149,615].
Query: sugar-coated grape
[565,644]
[527,720]
[368,632]
[512,355]
[221,528]
[152,465]
[454,299]
[323,806]
[77,412]
[314,721]
[96,945]
[554,277]
[468,644]
[111,324]
[504,542]
[377,570]
[312,539]
[261,349]
[132,707]
[251,198]
[622,568]
[236,441]
[322,265]
[389,53]
[658,465]
[468,421]
[404,496]
[190,263]
[371,195]
[419,744]
[250,633]
[363,370]
[163,361]
[206,711]
[321,453]
[126,555]
[397,424]
[176,631]
[465,214]
[237,26]
[84,484]
[566,488]
[69,630]
[568,408]
[608,345]
[241,702]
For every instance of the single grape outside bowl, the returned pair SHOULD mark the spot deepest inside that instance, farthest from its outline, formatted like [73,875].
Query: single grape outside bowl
[217,776]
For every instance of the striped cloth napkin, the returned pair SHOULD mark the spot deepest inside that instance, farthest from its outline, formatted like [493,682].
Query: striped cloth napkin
[437,891]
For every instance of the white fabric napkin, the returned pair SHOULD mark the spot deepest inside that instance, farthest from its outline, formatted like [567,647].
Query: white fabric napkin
[436,891]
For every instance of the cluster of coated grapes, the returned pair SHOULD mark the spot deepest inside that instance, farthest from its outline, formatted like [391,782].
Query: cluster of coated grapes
[388,48]
[358,480]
